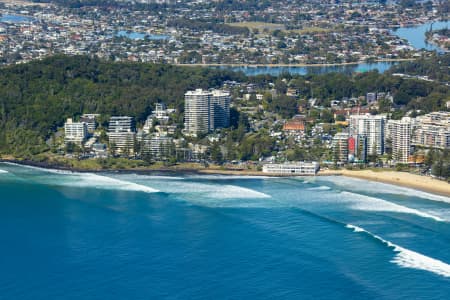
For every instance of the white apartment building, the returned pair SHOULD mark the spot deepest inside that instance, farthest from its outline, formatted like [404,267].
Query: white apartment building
[373,128]
[220,109]
[400,133]
[432,130]
[159,147]
[75,132]
[121,133]
[340,147]
[196,112]
[206,111]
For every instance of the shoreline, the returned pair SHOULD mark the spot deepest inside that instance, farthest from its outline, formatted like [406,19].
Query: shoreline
[401,179]
[147,171]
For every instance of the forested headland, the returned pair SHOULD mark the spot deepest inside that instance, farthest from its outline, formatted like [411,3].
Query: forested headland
[37,97]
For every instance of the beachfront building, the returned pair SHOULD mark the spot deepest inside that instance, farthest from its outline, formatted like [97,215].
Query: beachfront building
[75,132]
[196,112]
[206,111]
[220,109]
[121,133]
[432,130]
[158,147]
[373,128]
[339,147]
[400,134]
[361,148]
[292,168]
[357,149]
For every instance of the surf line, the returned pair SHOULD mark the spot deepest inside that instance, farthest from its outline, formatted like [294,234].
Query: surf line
[406,258]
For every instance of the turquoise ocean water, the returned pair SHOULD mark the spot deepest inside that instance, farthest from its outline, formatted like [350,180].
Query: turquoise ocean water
[125,236]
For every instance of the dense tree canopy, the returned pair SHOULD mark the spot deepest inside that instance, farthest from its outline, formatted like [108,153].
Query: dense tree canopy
[435,67]
[36,98]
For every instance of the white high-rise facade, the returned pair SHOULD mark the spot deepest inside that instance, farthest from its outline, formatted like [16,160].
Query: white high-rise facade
[340,147]
[206,111]
[371,127]
[75,132]
[196,112]
[121,134]
[400,133]
[220,109]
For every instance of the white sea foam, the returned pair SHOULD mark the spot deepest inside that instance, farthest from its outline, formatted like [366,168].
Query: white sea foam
[76,179]
[443,213]
[55,171]
[144,177]
[366,203]
[410,259]
[355,228]
[134,182]
[207,190]
[320,188]
[103,182]
[233,191]
[3,171]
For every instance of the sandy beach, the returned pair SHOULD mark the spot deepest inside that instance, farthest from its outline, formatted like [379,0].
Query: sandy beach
[418,182]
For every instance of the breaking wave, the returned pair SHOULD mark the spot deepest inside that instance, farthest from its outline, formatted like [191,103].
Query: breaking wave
[406,258]
[367,203]
[233,191]
[3,171]
[320,188]
[55,171]
[102,182]
[218,191]
[148,177]
[89,180]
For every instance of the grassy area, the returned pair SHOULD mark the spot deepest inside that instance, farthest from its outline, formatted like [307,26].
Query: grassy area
[96,164]
[309,30]
[259,25]
[51,160]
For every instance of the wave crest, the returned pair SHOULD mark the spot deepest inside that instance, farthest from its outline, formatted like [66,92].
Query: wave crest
[104,182]
[320,188]
[367,203]
[406,258]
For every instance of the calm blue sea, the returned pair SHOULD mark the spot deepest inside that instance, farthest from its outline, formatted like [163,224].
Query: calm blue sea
[125,236]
